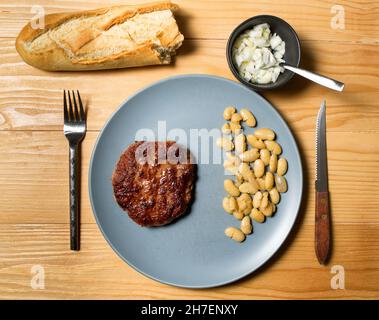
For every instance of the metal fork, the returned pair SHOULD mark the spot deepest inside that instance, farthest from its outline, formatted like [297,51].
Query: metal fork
[74,129]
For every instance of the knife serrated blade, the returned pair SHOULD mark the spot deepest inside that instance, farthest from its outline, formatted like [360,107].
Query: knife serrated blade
[322,218]
[321,154]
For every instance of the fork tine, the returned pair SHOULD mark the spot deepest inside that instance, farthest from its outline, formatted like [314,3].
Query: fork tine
[82,114]
[75,107]
[65,112]
[71,112]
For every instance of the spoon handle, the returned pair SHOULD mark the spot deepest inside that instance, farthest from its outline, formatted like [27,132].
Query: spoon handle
[324,81]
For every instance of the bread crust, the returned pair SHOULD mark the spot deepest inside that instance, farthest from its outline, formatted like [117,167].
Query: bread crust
[54,58]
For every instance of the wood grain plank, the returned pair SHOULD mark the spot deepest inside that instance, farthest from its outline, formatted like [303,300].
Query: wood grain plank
[96,271]
[34,155]
[216,19]
[30,99]
[34,177]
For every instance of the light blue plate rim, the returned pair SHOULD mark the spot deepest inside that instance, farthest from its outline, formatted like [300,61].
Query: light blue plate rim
[123,104]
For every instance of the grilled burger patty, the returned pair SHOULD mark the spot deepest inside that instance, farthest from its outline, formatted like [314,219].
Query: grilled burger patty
[154,189]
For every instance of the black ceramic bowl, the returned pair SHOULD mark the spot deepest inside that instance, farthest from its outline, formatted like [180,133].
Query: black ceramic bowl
[291,55]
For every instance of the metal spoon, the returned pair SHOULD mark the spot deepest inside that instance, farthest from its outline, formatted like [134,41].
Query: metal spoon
[324,81]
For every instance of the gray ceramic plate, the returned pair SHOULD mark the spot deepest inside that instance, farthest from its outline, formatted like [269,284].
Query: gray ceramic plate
[193,251]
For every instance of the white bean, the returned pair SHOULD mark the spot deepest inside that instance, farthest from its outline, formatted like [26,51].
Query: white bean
[228,163]
[264,201]
[228,112]
[254,142]
[273,165]
[233,170]
[265,156]
[233,204]
[264,134]
[232,159]
[235,234]
[245,171]
[269,180]
[273,146]
[247,187]
[248,175]
[225,143]
[256,215]
[282,167]
[238,215]
[231,188]
[244,203]
[259,168]
[240,143]
[274,196]
[281,184]
[262,184]
[257,199]
[268,211]
[248,117]
[235,127]
[226,206]
[246,226]
[239,179]
[249,155]
[236,117]
[226,129]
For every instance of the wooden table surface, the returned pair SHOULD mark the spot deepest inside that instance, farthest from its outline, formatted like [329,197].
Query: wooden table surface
[34,226]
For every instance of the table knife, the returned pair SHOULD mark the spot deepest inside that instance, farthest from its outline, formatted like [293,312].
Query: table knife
[322,219]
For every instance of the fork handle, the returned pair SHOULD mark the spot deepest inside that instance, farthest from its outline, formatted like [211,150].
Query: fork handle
[74,197]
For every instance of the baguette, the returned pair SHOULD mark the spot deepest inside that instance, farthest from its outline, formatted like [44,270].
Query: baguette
[107,38]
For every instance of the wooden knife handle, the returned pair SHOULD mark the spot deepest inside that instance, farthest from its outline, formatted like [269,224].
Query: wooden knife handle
[322,226]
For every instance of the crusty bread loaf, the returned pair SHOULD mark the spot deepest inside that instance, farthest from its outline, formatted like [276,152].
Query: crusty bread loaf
[107,38]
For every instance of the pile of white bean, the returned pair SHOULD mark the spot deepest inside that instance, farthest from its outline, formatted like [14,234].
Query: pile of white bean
[255,161]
